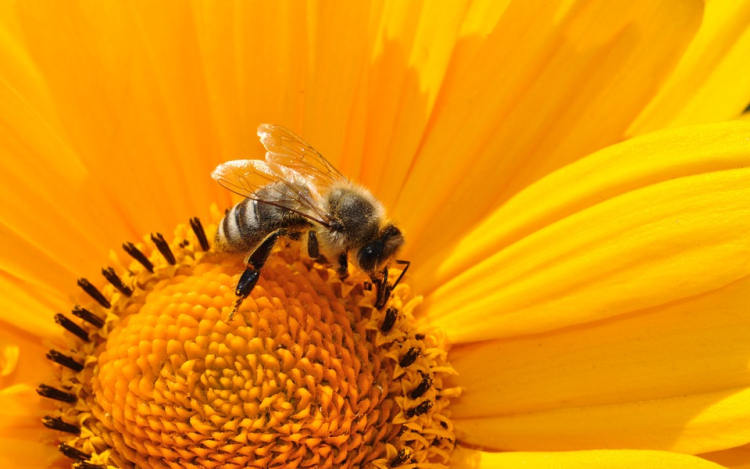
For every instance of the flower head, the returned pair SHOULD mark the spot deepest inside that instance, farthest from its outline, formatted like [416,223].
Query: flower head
[589,277]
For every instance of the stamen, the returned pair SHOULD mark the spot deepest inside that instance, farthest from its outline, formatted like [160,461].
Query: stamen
[421,409]
[163,247]
[88,316]
[72,453]
[391,314]
[87,465]
[71,327]
[111,276]
[400,459]
[422,387]
[409,358]
[64,360]
[93,292]
[200,233]
[136,254]
[56,394]
[56,423]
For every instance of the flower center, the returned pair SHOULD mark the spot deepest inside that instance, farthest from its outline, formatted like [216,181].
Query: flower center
[307,373]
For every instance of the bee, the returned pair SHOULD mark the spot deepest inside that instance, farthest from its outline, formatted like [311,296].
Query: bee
[293,192]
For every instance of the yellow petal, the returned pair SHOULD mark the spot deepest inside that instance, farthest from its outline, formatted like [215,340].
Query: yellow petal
[735,458]
[639,224]
[551,83]
[597,427]
[21,434]
[712,81]
[29,308]
[672,378]
[625,459]
[24,356]
[413,47]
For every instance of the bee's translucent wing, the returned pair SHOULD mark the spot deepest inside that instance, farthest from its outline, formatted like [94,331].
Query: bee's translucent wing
[283,187]
[288,150]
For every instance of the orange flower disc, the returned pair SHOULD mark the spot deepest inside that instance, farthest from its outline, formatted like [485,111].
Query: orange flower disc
[306,374]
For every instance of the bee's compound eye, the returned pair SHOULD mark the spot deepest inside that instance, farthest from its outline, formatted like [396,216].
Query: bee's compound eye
[369,256]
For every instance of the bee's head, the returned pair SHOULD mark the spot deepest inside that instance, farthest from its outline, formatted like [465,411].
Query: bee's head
[385,245]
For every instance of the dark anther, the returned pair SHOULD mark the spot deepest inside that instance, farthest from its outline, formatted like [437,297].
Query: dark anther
[367,286]
[64,360]
[421,409]
[88,316]
[409,358]
[422,388]
[93,292]
[390,319]
[56,423]
[73,453]
[401,458]
[200,233]
[87,465]
[163,247]
[443,424]
[71,327]
[56,394]
[419,336]
[136,254]
[112,277]
[184,243]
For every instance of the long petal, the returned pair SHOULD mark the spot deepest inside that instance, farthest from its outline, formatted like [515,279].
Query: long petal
[603,459]
[643,223]
[551,83]
[675,378]
[21,442]
[735,458]
[712,81]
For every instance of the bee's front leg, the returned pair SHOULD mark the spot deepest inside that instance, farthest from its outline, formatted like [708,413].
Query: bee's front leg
[255,262]
[343,267]
[383,291]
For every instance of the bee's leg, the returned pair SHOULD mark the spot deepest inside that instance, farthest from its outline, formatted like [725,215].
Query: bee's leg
[403,272]
[255,262]
[312,245]
[343,267]
[383,291]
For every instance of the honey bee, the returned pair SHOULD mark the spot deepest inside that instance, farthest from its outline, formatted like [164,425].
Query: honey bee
[296,191]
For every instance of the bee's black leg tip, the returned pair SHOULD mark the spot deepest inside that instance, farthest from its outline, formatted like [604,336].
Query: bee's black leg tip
[247,282]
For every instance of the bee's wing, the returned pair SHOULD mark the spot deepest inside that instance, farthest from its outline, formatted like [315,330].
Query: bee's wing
[284,187]
[288,150]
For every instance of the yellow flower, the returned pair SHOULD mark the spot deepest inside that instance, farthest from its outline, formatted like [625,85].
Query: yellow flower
[594,291]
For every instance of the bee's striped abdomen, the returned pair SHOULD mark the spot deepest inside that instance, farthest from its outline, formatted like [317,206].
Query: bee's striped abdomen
[250,221]
[241,229]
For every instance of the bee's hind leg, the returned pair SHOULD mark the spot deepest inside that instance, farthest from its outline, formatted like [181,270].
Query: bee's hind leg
[255,262]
